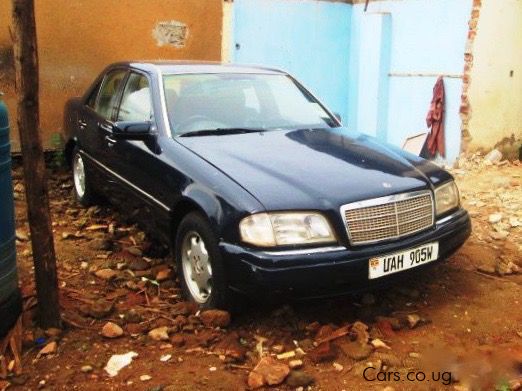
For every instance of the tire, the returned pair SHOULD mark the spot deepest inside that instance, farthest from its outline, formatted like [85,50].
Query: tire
[83,190]
[199,264]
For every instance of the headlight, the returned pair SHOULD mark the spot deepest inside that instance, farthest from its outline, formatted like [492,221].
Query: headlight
[446,198]
[280,229]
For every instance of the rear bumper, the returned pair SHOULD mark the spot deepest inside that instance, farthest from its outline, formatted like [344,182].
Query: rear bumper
[10,310]
[332,271]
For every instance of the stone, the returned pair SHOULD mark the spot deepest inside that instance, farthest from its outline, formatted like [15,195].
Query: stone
[389,359]
[286,355]
[278,348]
[230,347]
[106,274]
[338,367]
[164,275]
[505,268]
[360,331]
[495,218]
[119,361]
[306,344]
[159,334]
[18,380]
[134,251]
[255,380]
[268,371]
[21,236]
[165,357]
[53,332]
[323,352]
[379,344]
[180,321]
[295,364]
[145,377]
[413,320]
[135,329]
[98,310]
[486,268]
[178,340]
[111,330]
[324,332]
[494,156]
[514,222]
[502,235]
[299,379]
[100,244]
[138,264]
[87,369]
[357,351]
[132,316]
[184,308]
[215,318]
[48,349]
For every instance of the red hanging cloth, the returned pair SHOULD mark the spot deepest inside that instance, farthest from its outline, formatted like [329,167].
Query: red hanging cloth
[435,120]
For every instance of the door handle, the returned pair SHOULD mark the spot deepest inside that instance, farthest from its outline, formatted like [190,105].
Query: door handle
[110,140]
[105,127]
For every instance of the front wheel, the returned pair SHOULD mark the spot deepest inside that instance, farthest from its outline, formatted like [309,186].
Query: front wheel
[83,190]
[199,264]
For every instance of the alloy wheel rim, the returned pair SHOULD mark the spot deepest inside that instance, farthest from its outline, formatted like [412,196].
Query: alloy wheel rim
[197,268]
[79,175]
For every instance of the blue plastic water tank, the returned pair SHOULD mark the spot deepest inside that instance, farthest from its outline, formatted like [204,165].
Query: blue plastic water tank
[10,302]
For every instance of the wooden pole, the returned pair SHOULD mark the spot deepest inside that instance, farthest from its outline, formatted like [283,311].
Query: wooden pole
[26,67]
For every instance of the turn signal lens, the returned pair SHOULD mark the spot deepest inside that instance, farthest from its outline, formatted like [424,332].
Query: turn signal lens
[446,198]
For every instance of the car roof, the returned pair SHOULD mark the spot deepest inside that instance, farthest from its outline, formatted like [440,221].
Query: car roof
[185,67]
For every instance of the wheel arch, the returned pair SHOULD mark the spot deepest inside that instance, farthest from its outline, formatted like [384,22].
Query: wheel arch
[182,208]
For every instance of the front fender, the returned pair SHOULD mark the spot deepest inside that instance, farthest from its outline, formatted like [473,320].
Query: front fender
[223,215]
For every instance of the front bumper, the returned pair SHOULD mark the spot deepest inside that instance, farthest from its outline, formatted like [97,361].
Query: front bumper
[332,270]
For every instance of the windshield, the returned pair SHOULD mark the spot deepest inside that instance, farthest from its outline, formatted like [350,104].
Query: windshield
[219,102]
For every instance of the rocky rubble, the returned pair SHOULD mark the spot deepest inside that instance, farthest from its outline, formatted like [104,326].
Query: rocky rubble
[120,288]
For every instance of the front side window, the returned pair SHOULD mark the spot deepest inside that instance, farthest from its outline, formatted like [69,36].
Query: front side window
[198,102]
[107,102]
[136,100]
[91,101]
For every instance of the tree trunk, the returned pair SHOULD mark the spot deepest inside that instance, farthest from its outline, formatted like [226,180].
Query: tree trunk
[26,66]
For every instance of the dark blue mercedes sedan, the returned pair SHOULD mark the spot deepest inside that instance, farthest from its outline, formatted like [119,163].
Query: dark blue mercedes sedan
[255,184]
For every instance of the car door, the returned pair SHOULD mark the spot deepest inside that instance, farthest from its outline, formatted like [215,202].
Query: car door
[136,162]
[95,123]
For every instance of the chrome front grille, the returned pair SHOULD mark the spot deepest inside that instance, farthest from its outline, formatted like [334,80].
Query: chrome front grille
[390,217]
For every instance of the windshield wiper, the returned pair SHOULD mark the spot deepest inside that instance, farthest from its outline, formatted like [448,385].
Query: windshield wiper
[221,131]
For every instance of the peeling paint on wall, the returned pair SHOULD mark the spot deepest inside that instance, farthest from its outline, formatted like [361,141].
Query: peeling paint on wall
[172,33]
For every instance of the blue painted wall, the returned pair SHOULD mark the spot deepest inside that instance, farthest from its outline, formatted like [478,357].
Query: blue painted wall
[425,36]
[345,55]
[309,39]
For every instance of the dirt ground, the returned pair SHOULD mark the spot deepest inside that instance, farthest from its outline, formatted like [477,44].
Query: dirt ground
[458,326]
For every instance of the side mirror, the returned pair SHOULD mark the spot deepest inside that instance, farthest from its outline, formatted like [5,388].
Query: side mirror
[130,130]
[338,116]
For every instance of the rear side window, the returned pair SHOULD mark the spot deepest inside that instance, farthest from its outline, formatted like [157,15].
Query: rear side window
[136,100]
[107,102]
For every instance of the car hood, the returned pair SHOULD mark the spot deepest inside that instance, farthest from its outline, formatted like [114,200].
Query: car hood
[312,169]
